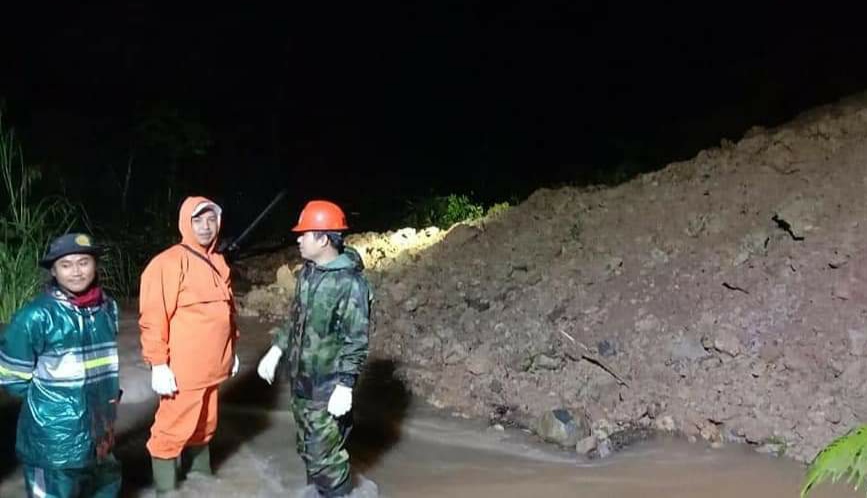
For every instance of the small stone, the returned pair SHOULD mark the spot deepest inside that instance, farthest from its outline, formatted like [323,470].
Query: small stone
[546,362]
[603,449]
[410,305]
[586,445]
[614,265]
[559,426]
[606,348]
[725,341]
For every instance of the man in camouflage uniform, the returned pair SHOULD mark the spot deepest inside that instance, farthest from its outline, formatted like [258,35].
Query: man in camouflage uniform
[326,338]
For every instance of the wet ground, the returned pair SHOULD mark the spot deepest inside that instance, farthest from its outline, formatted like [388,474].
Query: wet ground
[411,450]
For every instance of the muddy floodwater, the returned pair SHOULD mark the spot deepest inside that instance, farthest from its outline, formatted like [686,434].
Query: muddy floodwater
[411,450]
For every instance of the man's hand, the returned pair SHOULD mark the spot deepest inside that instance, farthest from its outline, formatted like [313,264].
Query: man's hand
[163,380]
[268,364]
[340,401]
[236,366]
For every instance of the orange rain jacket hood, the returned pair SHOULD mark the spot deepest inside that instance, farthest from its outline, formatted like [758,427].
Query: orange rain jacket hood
[186,306]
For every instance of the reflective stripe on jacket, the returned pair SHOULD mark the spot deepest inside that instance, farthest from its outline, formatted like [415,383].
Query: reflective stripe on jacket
[62,360]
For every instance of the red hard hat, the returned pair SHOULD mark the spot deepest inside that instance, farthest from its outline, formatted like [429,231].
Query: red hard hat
[321,216]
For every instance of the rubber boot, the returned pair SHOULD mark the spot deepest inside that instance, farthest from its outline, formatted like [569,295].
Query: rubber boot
[200,459]
[165,475]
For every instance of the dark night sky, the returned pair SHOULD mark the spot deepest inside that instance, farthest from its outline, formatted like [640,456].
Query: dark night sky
[376,101]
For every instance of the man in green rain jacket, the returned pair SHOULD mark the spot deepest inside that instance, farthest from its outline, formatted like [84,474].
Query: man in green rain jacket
[326,338]
[59,353]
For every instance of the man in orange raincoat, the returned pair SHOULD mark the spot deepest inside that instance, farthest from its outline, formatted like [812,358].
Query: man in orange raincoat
[188,335]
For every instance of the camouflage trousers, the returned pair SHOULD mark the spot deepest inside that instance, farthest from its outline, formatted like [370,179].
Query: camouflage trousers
[320,441]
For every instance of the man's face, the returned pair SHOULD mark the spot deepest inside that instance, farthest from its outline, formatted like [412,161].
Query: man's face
[75,272]
[310,246]
[205,227]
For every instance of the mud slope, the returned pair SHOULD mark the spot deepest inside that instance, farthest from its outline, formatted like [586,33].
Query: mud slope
[728,292]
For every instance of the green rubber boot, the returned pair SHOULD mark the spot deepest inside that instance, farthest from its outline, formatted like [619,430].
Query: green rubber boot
[165,475]
[200,459]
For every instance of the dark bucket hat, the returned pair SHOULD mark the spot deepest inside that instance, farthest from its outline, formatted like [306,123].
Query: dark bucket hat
[71,243]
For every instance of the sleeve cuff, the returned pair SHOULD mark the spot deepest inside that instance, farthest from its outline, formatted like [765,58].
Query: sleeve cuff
[347,380]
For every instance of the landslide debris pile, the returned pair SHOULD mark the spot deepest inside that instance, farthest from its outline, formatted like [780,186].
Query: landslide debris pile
[723,298]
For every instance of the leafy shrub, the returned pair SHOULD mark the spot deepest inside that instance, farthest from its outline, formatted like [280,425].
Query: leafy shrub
[843,458]
[442,211]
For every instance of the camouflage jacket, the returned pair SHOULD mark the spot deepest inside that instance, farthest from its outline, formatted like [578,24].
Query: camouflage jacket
[325,338]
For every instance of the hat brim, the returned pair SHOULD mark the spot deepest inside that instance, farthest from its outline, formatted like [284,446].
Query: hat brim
[206,206]
[48,261]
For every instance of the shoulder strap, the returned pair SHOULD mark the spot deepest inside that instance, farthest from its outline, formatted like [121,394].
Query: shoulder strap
[203,258]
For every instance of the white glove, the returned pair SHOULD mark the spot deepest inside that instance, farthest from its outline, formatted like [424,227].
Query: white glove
[340,401]
[163,380]
[236,366]
[268,364]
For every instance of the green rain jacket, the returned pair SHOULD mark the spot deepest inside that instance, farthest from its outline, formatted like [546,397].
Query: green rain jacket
[326,335]
[62,360]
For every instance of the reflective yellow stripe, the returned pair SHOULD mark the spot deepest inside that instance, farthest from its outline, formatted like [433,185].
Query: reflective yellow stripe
[23,376]
[99,362]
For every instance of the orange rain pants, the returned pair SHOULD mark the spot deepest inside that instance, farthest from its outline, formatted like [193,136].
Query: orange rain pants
[189,418]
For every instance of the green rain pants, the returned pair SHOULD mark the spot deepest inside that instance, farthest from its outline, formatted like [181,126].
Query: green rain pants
[100,481]
[320,441]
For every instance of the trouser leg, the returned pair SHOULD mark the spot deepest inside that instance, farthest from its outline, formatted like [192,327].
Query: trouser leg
[177,421]
[321,444]
[51,483]
[105,480]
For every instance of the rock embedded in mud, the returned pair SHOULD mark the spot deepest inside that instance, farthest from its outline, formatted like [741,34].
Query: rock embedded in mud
[602,450]
[613,266]
[586,445]
[606,348]
[560,427]
[410,305]
[725,341]
[545,362]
